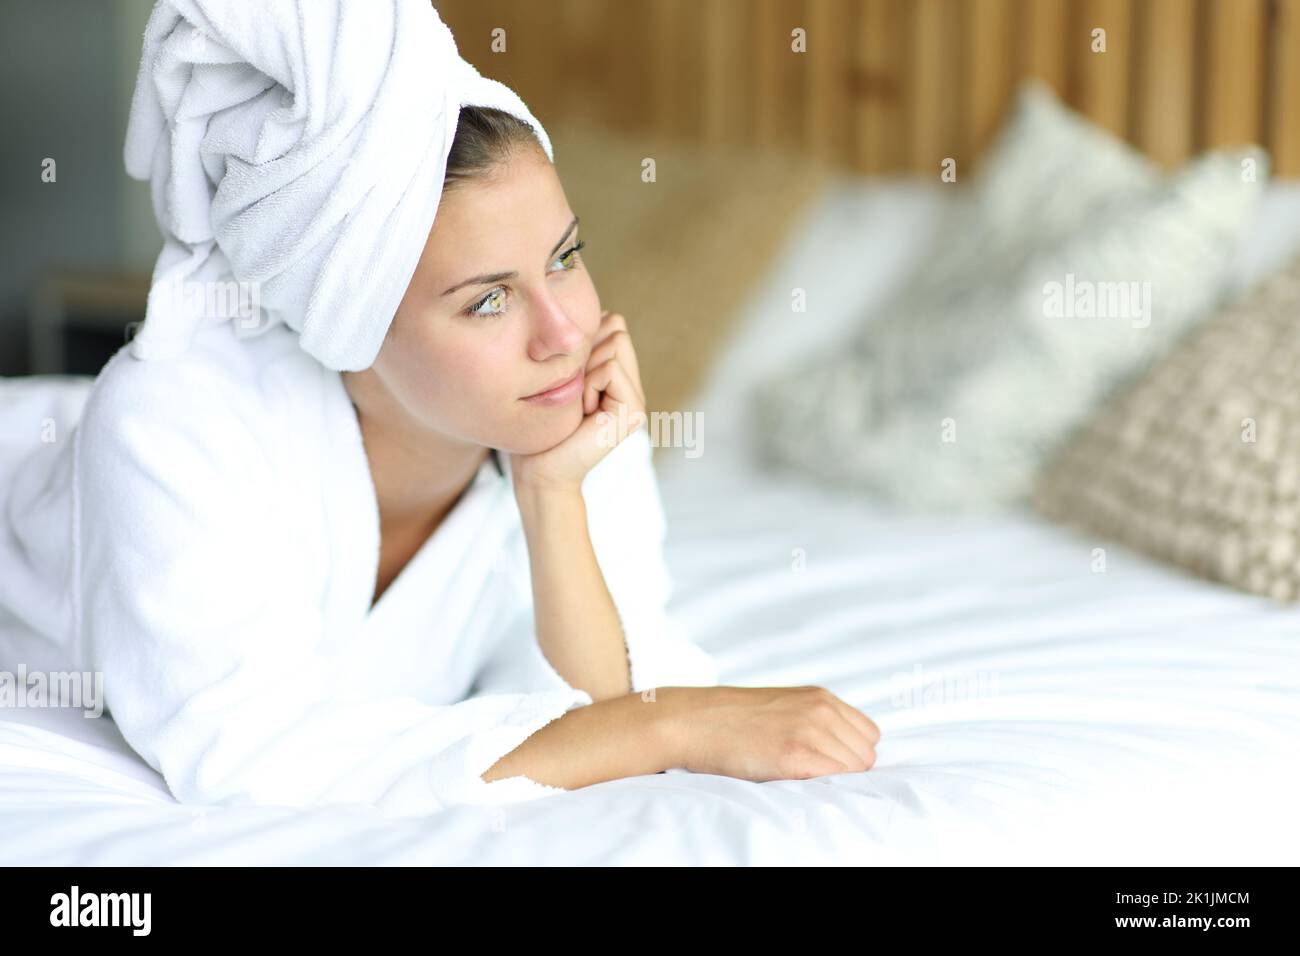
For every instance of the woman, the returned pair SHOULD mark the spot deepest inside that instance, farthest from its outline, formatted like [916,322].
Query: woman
[411,567]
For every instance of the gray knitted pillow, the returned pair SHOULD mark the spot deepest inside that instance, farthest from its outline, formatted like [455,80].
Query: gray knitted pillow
[983,361]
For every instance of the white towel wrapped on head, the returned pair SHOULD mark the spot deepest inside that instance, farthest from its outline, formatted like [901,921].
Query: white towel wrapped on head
[298,149]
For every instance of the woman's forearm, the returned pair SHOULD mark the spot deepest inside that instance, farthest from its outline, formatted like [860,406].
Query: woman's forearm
[611,739]
[577,622]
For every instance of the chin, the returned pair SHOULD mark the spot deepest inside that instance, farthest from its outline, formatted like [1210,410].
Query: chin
[542,428]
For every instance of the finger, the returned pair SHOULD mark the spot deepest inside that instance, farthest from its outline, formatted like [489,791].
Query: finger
[595,381]
[613,320]
[860,721]
[608,381]
[623,387]
[852,737]
[829,716]
[835,749]
[618,343]
[604,350]
[622,335]
[613,323]
[610,322]
[621,392]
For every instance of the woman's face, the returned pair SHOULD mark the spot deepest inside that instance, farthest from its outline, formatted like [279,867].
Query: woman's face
[468,341]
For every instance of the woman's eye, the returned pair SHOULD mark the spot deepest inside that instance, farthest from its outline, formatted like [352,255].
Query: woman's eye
[570,255]
[476,309]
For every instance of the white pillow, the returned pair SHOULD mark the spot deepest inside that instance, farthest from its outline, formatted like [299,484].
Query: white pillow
[955,393]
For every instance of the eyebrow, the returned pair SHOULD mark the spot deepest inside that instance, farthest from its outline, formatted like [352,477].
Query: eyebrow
[498,276]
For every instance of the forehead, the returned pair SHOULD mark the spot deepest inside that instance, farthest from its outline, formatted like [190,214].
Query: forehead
[519,207]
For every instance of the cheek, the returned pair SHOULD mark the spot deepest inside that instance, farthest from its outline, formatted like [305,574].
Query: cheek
[433,374]
[467,375]
[586,303]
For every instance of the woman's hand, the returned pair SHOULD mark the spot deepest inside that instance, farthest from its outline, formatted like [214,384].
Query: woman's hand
[768,733]
[613,406]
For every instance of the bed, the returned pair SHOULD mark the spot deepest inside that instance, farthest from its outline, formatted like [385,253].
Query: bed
[1031,711]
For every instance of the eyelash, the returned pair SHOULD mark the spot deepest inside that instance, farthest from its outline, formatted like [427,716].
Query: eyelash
[473,314]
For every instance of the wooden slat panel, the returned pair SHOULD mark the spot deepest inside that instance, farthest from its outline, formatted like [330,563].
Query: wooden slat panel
[771,48]
[782,107]
[469,24]
[743,84]
[899,84]
[678,50]
[662,81]
[1043,28]
[796,75]
[627,68]
[1099,82]
[1284,93]
[1235,70]
[582,46]
[524,65]
[1164,94]
[830,35]
[924,92]
[530,37]
[933,84]
[722,23]
[878,82]
[990,69]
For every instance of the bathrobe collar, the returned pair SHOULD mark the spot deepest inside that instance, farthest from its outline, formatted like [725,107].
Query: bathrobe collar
[352,511]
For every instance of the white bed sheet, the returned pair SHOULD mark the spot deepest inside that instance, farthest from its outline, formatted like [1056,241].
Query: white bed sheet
[1136,716]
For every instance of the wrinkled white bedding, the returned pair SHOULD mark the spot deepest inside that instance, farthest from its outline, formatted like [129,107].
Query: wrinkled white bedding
[1031,709]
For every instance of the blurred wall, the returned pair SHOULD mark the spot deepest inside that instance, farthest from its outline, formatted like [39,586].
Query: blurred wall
[67,69]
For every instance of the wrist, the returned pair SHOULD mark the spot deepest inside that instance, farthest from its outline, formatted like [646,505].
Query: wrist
[549,510]
[535,494]
[668,723]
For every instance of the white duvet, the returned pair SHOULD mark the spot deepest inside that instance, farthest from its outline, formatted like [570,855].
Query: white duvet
[1031,709]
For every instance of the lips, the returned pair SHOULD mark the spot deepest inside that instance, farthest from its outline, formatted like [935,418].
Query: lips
[556,384]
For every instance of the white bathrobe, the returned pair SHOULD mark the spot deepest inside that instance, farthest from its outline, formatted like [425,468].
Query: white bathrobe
[208,537]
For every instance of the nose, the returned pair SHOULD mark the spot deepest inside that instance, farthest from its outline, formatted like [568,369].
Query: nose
[553,332]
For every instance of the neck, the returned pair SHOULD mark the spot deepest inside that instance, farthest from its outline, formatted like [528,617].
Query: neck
[418,474]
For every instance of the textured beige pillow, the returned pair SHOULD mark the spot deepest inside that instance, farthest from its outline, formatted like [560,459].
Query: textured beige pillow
[1198,462]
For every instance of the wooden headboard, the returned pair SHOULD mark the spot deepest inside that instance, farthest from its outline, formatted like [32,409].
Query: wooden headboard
[888,85]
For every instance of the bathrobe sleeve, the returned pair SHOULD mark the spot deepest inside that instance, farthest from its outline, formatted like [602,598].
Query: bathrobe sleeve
[198,606]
